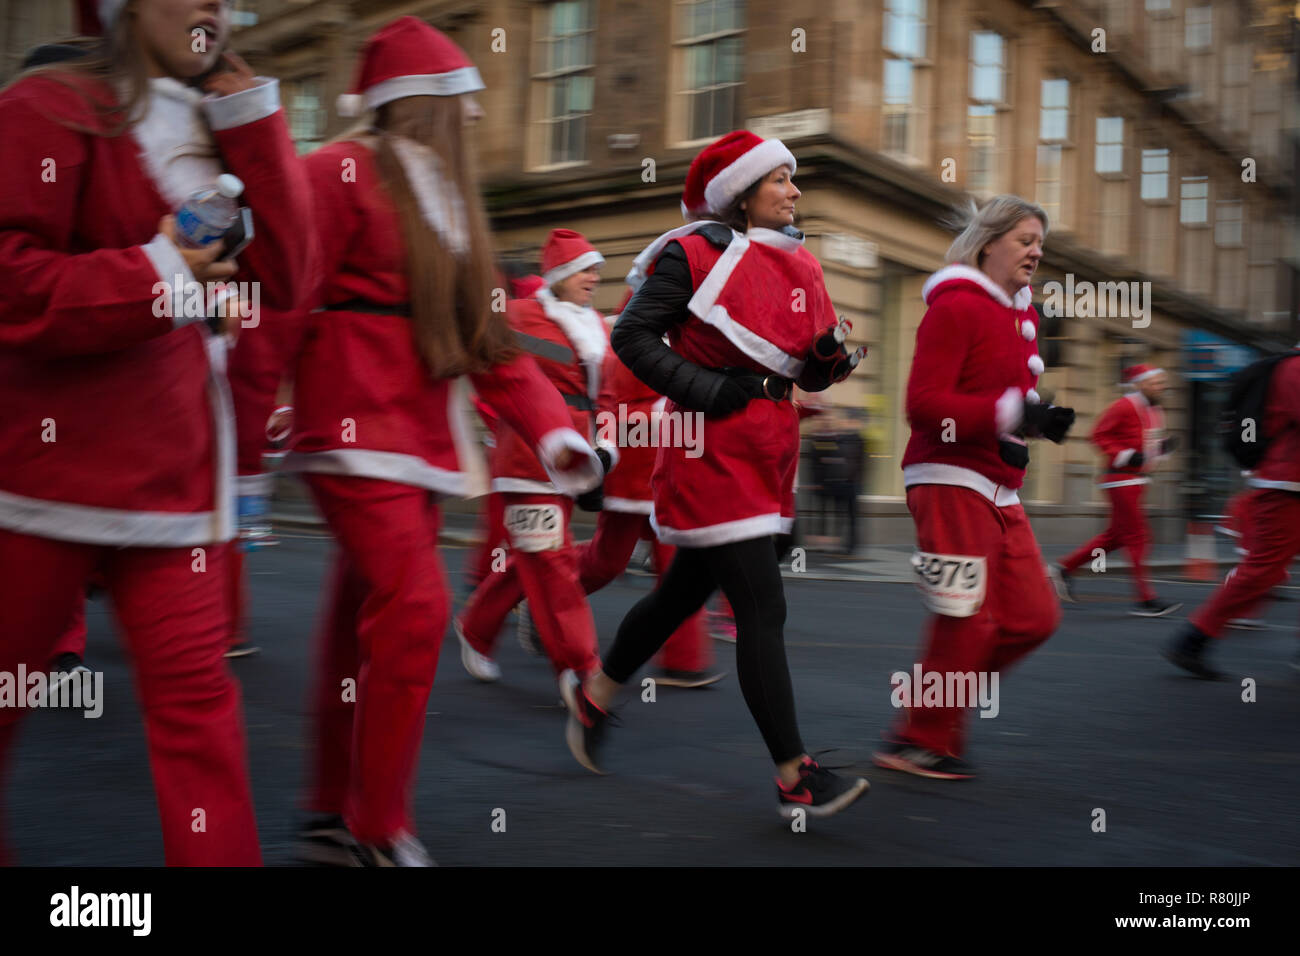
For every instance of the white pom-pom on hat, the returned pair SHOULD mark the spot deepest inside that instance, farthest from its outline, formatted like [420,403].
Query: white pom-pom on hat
[1036,364]
[1028,331]
[350,105]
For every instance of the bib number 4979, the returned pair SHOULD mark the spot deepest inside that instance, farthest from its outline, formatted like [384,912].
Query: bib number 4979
[951,584]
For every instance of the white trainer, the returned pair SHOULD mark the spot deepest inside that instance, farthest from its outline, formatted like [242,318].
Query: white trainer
[480,666]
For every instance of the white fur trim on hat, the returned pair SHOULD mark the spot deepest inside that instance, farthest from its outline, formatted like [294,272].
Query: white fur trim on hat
[571,268]
[1036,364]
[1146,375]
[452,83]
[748,169]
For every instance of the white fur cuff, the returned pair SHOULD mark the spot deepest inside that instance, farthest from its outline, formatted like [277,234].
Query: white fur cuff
[1122,458]
[169,263]
[1010,411]
[585,476]
[247,106]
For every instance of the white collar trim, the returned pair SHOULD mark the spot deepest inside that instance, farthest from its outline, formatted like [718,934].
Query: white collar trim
[585,330]
[959,270]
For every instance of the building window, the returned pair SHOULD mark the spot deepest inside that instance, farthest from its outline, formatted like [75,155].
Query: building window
[1196,34]
[1053,134]
[563,81]
[1155,174]
[1227,223]
[905,44]
[710,39]
[1110,144]
[1157,6]
[1194,208]
[306,112]
[987,92]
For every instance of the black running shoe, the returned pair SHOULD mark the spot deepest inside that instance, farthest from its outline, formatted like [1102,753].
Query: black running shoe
[671,678]
[1187,650]
[819,792]
[326,841]
[587,722]
[1155,608]
[405,850]
[909,758]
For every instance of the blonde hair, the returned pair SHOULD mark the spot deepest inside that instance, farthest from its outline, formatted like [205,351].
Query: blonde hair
[979,227]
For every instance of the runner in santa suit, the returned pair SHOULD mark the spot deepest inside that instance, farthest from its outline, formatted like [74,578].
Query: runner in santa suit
[381,423]
[137,480]
[724,295]
[971,404]
[493,524]
[629,404]
[1273,520]
[569,340]
[1130,436]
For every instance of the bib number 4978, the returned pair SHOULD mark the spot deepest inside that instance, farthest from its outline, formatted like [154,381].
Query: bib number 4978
[951,584]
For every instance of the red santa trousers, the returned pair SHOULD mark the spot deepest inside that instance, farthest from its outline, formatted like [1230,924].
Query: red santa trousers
[1127,529]
[549,580]
[1019,612]
[494,536]
[378,654]
[605,557]
[1273,518]
[174,616]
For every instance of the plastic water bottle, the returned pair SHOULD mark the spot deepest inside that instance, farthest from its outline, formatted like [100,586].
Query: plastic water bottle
[204,217]
[254,522]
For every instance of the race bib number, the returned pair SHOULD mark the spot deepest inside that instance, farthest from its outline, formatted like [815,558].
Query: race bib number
[535,527]
[951,584]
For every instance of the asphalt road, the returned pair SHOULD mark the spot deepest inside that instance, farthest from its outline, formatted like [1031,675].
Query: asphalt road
[1187,773]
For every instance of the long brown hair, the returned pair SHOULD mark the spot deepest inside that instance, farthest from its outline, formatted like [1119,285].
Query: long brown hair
[455,328]
[111,78]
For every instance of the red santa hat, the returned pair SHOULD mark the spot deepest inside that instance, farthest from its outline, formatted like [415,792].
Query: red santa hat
[408,58]
[567,253]
[1137,373]
[526,287]
[95,16]
[726,168]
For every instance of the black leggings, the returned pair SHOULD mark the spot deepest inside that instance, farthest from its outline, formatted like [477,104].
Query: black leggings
[749,574]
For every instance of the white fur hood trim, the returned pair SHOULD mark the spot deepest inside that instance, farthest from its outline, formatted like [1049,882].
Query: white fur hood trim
[959,271]
[584,329]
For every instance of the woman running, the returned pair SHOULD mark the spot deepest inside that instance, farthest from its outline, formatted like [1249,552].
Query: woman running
[380,424]
[747,315]
[971,403]
[116,444]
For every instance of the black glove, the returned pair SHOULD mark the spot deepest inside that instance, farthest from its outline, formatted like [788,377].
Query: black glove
[1047,421]
[741,387]
[1014,453]
[1137,461]
[828,361]
[594,500]
[1169,445]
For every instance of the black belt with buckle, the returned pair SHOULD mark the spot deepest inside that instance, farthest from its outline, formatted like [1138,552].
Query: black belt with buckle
[775,387]
[368,307]
[581,402]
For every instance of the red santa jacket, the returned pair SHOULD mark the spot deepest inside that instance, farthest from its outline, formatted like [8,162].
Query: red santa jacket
[1129,425]
[569,344]
[720,480]
[1280,468]
[976,359]
[628,416]
[117,427]
[364,402]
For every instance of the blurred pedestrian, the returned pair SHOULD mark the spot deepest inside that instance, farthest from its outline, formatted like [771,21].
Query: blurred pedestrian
[569,340]
[137,480]
[719,291]
[381,423]
[972,404]
[1272,518]
[1131,438]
